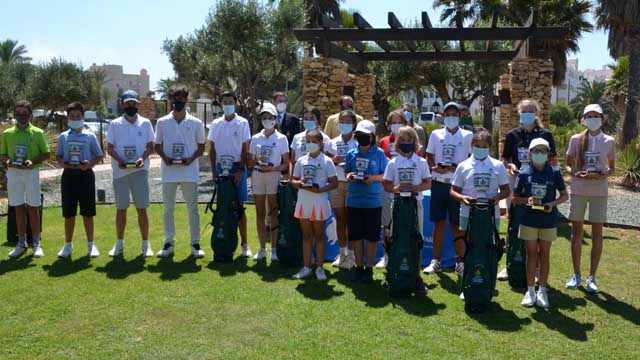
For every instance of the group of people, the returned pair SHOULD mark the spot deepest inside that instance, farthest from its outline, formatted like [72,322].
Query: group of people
[338,167]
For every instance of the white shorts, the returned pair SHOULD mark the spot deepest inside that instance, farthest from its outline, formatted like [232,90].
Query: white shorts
[265,183]
[23,186]
[312,206]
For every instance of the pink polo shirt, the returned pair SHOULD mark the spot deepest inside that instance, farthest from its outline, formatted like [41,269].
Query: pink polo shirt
[603,145]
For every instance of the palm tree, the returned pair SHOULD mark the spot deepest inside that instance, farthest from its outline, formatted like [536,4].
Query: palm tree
[11,53]
[596,93]
[622,19]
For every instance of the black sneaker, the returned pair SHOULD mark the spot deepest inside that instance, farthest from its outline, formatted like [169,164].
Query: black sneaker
[367,277]
[421,288]
[357,274]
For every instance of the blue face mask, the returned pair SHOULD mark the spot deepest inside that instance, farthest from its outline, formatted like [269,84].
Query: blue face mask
[75,124]
[345,128]
[527,118]
[539,158]
[451,122]
[480,153]
[407,148]
[229,109]
[309,125]
[408,115]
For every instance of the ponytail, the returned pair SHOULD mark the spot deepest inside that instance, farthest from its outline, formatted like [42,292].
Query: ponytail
[584,146]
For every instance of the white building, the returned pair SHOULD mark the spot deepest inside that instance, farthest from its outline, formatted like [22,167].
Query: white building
[117,81]
[430,97]
[568,90]
[603,74]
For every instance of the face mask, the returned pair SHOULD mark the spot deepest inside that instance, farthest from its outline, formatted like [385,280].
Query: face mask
[179,105]
[22,119]
[345,128]
[309,125]
[539,158]
[480,153]
[527,118]
[593,124]
[395,128]
[408,115]
[268,123]
[363,139]
[451,122]
[75,124]
[131,111]
[312,147]
[407,148]
[229,109]
[281,107]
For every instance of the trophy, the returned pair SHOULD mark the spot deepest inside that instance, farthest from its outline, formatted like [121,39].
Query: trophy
[481,184]
[130,156]
[538,192]
[226,163]
[592,159]
[361,166]
[75,148]
[523,158]
[405,175]
[178,153]
[342,152]
[21,154]
[265,152]
[448,151]
[308,173]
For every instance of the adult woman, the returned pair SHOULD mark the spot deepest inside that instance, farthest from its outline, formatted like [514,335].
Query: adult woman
[407,111]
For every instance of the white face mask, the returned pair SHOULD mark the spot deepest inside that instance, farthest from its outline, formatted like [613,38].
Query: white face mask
[268,123]
[395,128]
[593,124]
[312,147]
[281,107]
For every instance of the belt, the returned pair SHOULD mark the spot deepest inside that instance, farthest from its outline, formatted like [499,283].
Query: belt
[443,180]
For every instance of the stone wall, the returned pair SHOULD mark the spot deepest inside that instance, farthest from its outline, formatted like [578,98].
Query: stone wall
[324,80]
[147,108]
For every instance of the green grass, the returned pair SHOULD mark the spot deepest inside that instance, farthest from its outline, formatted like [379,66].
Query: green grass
[185,308]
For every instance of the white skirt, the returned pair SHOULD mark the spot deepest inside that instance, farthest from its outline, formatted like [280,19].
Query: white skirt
[312,206]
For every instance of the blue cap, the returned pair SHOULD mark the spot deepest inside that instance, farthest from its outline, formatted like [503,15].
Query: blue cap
[130,95]
[450,104]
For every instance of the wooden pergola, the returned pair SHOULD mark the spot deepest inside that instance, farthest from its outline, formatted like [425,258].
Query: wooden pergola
[356,54]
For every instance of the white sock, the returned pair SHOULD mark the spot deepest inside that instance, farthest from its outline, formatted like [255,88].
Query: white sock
[343,251]
[119,241]
[542,289]
[67,244]
[145,242]
[532,289]
[90,244]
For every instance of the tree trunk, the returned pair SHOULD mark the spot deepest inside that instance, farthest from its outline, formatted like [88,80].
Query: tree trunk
[419,99]
[442,91]
[487,107]
[630,124]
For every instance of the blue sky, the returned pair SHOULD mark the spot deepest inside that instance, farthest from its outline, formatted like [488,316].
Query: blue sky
[131,33]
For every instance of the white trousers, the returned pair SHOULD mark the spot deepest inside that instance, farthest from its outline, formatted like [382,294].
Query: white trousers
[190,195]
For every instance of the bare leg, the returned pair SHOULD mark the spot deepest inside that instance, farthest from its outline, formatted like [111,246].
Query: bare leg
[243,227]
[596,248]
[34,219]
[341,225]
[307,241]
[532,261]
[21,224]
[543,256]
[143,223]
[438,238]
[69,225]
[260,218]
[458,244]
[88,227]
[371,253]
[272,204]
[121,222]
[358,247]
[318,234]
[577,233]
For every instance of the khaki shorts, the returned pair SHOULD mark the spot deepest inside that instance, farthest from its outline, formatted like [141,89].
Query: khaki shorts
[597,208]
[533,234]
[338,196]
[265,183]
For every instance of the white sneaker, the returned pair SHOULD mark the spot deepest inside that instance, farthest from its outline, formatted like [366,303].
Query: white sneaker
[37,252]
[246,252]
[382,264]
[592,287]
[117,250]
[17,252]
[274,255]
[349,261]
[260,255]
[462,296]
[529,298]
[196,251]
[65,251]
[92,250]
[541,298]
[574,282]
[146,249]
[302,273]
[503,275]
[459,268]
[166,251]
[433,267]
[320,275]
[339,259]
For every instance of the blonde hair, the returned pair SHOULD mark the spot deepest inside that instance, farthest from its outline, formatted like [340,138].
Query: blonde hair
[399,113]
[530,102]
[407,132]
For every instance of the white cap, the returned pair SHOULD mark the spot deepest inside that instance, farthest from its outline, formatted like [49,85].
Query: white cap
[539,141]
[366,126]
[592,107]
[269,108]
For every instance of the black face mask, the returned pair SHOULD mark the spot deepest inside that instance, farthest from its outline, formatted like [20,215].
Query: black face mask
[179,105]
[363,139]
[22,119]
[131,111]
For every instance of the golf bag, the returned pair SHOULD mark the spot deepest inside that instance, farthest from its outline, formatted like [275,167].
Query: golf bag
[289,243]
[226,215]
[516,253]
[403,247]
[484,249]
[12,227]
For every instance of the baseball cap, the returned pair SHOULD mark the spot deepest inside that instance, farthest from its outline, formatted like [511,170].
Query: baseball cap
[537,142]
[450,104]
[130,95]
[366,126]
[269,108]
[592,107]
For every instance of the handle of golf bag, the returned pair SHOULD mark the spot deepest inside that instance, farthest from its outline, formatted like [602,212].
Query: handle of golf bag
[209,206]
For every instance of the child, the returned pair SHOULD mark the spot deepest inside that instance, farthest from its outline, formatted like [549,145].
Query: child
[311,121]
[315,175]
[536,188]
[591,158]
[415,170]
[269,156]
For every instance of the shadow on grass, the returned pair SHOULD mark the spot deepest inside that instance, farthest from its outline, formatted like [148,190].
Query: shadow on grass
[171,270]
[373,295]
[64,267]
[120,268]
[9,265]
[421,306]
[229,268]
[553,319]
[447,283]
[273,271]
[317,290]
[611,305]
[499,319]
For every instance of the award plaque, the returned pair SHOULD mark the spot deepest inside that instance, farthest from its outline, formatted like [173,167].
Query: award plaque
[75,150]
[523,158]
[481,184]
[592,159]
[448,152]
[308,173]
[130,156]
[361,167]
[177,150]
[226,163]
[265,152]
[406,176]
[538,192]
[21,155]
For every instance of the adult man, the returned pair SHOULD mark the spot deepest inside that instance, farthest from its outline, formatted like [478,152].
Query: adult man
[23,147]
[129,143]
[288,123]
[180,142]
[331,126]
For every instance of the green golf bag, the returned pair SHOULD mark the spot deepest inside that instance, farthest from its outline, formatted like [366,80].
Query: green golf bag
[289,244]
[226,215]
[516,253]
[484,249]
[403,247]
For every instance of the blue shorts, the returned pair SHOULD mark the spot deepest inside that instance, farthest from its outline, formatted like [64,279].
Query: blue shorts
[242,185]
[442,204]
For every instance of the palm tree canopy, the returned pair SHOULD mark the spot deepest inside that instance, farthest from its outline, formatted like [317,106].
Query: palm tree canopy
[11,53]
[618,17]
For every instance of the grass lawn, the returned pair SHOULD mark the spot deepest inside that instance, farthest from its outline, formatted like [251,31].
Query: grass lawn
[184,308]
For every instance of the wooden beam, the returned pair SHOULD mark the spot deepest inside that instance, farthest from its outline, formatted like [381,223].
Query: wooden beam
[328,23]
[437,56]
[394,23]
[494,24]
[532,25]
[361,24]
[426,23]
[460,25]
[354,59]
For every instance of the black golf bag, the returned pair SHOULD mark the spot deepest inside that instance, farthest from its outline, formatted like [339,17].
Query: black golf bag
[12,227]
[289,243]
[516,253]
[403,247]
[226,215]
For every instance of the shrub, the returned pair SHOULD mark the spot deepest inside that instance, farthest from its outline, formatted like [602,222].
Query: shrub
[630,165]
[561,115]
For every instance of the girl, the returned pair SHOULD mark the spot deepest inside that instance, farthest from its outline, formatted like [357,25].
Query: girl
[314,174]
[590,160]
[340,146]
[269,156]
[407,111]
[536,188]
[311,121]
[415,170]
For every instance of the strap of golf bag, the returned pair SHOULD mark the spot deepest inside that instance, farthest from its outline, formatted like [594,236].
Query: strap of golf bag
[209,206]
[498,243]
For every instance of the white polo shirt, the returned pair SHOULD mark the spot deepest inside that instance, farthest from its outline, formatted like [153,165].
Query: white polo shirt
[320,169]
[472,171]
[179,138]
[341,148]
[272,146]
[133,138]
[228,136]
[414,169]
[299,143]
[458,145]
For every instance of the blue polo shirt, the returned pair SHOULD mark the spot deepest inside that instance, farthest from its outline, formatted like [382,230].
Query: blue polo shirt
[548,180]
[361,195]
[84,142]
